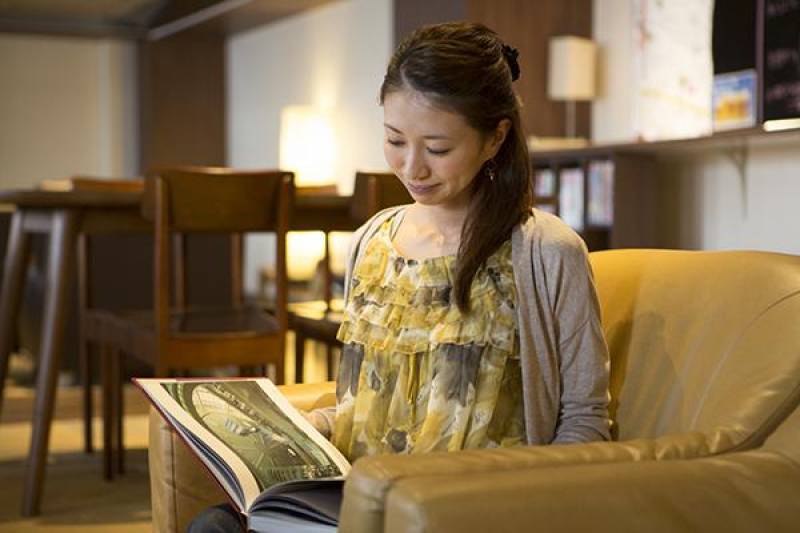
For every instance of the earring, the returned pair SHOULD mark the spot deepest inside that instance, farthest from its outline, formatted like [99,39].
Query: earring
[491,169]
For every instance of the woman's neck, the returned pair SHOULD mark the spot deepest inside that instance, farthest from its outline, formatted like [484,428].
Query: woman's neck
[429,231]
[445,221]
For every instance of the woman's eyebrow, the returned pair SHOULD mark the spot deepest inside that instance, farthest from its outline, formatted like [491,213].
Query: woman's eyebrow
[434,137]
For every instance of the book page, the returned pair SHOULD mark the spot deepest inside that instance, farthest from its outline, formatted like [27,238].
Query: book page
[250,427]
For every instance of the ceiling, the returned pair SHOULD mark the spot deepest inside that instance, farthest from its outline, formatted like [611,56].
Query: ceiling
[143,19]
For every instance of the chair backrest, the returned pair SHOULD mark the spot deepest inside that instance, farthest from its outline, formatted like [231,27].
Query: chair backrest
[374,191]
[704,342]
[215,199]
[219,200]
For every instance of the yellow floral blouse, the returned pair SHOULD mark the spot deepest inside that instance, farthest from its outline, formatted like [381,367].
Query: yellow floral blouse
[416,374]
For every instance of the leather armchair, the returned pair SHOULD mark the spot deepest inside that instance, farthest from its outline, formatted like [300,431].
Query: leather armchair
[705,384]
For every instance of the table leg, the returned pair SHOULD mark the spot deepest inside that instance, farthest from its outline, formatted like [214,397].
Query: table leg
[327,274]
[61,264]
[13,284]
[299,354]
[329,354]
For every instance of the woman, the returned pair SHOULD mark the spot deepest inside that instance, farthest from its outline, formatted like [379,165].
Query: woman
[471,320]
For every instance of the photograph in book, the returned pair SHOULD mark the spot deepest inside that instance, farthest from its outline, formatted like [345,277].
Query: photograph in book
[261,450]
[251,424]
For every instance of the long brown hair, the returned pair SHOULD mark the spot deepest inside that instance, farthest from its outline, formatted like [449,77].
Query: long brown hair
[465,68]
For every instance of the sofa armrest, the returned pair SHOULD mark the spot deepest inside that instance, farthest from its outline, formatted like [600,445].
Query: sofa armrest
[746,491]
[373,478]
[179,487]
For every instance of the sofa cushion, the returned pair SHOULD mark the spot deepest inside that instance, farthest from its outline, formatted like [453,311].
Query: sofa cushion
[701,342]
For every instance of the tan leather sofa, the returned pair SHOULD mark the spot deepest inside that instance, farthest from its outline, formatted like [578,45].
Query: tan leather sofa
[705,366]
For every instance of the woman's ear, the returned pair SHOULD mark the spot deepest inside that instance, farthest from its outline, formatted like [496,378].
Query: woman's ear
[496,138]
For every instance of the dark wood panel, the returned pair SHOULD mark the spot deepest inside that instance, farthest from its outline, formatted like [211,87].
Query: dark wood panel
[182,110]
[411,14]
[182,101]
[528,27]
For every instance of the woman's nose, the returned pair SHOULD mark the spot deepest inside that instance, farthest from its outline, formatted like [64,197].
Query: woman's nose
[414,166]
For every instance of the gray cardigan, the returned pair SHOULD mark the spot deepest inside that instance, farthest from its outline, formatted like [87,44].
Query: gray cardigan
[563,353]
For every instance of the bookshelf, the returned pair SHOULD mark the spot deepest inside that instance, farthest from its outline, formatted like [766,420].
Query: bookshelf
[608,197]
[631,205]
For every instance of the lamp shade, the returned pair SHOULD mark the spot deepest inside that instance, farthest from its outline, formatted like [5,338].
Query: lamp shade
[571,68]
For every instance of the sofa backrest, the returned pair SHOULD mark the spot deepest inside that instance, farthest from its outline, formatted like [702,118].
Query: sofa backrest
[703,343]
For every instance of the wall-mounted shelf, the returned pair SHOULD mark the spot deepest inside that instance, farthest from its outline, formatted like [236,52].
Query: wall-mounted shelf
[720,140]
[629,195]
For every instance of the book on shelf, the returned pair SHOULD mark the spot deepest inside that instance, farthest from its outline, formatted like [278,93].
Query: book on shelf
[570,197]
[276,469]
[544,183]
[91,184]
[600,197]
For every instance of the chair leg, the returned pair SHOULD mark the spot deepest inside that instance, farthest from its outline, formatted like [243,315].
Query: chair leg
[85,361]
[280,370]
[84,347]
[118,411]
[106,365]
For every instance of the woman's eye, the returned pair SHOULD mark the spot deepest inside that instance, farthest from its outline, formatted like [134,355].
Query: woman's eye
[394,142]
[438,152]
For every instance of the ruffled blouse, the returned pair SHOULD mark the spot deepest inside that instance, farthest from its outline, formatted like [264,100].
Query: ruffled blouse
[416,374]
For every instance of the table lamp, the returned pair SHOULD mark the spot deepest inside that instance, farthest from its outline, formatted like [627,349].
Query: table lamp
[307,148]
[571,73]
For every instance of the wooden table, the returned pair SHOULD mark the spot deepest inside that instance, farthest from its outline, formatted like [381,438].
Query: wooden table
[317,320]
[62,216]
[65,217]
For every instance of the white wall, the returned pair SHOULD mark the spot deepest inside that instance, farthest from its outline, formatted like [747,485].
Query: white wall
[707,203]
[67,106]
[333,57]
[704,203]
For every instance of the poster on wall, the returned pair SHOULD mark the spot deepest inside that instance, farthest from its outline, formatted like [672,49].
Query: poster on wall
[734,100]
[781,59]
[673,68]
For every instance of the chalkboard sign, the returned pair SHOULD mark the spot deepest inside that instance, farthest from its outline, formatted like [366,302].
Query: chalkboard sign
[781,59]
[733,38]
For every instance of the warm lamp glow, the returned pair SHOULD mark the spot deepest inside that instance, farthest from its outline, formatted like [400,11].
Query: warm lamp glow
[307,148]
[307,145]
[305,249]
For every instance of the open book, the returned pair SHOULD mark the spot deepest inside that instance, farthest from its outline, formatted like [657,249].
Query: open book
[279,471]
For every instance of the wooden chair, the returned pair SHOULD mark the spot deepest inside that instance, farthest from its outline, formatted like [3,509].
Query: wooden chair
[320,321]
[172,337]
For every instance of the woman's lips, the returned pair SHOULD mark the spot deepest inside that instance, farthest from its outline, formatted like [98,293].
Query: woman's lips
[420,189]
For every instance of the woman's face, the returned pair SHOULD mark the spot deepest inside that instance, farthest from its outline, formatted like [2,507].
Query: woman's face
[434,152]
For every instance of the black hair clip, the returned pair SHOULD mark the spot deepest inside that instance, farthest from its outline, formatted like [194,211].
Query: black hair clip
[511,55]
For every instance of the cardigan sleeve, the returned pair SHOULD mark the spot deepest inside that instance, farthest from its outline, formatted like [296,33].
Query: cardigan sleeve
[582,351]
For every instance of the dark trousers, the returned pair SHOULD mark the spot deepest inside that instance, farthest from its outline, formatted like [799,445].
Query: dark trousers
[218,519]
